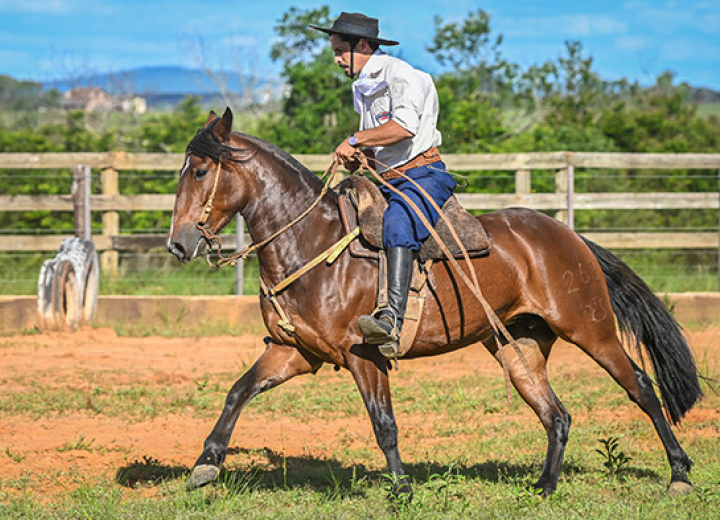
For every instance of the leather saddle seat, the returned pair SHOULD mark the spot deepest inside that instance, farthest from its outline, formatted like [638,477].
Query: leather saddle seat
[362,204]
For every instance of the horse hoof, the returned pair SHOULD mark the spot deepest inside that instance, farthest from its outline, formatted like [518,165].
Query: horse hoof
[679,488]
[202,475]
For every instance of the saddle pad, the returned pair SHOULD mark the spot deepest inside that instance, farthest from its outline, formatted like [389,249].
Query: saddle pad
[370,205]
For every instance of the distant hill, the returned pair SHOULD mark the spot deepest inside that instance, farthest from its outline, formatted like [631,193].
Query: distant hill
[163,85]
[166,85]
[705,95]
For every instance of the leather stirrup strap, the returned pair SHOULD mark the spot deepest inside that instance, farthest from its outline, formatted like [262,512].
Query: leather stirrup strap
[382,297]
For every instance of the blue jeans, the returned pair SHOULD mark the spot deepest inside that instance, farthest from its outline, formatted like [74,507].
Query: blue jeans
[401,226]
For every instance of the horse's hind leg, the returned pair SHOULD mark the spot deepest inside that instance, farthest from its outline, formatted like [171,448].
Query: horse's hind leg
[534,388]
[610,354]
[275,366]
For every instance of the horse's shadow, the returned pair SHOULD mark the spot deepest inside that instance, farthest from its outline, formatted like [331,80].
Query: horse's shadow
[273,471]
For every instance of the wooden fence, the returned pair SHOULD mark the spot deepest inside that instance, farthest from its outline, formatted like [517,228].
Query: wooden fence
[564,201]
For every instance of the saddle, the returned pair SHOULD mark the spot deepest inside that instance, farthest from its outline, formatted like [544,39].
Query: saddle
[362,204]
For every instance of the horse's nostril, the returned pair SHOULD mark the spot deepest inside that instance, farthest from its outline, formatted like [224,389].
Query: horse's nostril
[178,250]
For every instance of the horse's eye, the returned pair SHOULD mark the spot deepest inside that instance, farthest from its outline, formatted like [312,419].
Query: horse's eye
[199,174]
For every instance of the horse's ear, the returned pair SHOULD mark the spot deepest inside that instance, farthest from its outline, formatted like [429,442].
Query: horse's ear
[212,116]
[223,128]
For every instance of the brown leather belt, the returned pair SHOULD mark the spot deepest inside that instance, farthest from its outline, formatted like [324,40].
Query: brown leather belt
[428,157]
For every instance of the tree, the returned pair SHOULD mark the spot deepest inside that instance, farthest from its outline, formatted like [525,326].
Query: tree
[659,119]
[169,132]
[473,54]
[318,111]
[298,43]
[473,91]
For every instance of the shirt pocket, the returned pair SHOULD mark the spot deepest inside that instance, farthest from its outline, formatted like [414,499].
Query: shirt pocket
[380,107]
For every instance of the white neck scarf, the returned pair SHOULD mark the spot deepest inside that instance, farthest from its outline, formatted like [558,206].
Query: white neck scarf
[366,86]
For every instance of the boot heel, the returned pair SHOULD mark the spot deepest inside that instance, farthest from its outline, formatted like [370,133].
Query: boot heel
[390,350]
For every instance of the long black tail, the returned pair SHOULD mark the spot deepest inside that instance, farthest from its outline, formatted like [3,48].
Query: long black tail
[644,319]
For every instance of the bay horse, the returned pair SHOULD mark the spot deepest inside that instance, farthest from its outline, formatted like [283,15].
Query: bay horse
[542,279]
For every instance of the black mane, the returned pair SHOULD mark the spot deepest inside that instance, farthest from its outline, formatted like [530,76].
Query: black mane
[278,153]
[207,144]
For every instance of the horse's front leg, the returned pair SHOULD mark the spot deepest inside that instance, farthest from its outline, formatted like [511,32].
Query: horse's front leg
[275,366]
[369,368]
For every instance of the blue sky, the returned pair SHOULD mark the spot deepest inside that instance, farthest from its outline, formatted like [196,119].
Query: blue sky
[636,39]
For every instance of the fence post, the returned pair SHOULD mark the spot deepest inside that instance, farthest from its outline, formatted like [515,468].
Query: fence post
[109,259]
[718,172]
[565,184]
[522,182]
[81,201]
[570,190]
[239,245]
[561,187]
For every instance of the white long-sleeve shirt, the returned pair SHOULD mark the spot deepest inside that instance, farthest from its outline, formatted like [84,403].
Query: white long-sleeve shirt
[390,89]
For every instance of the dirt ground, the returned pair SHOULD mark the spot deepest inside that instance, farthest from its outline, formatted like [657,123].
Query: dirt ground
[43,446]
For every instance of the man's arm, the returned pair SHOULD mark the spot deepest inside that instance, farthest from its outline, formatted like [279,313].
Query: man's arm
[383,135]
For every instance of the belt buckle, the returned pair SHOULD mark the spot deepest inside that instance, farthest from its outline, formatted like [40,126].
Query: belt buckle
[431,154]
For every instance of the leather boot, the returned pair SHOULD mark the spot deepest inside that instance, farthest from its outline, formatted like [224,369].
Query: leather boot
[384,327]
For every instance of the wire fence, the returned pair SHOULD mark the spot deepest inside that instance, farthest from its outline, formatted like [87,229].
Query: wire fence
[157,272]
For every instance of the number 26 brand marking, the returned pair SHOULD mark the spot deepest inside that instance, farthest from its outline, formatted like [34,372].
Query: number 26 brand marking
[569,278]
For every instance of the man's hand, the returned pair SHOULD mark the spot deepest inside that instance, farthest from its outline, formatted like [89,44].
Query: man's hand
[384,135]
[345,153]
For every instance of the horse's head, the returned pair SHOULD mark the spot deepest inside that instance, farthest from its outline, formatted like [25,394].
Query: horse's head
[209,191]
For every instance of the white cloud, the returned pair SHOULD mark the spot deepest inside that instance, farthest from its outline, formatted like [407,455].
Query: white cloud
[570,26]
[608,25]
[240,41]
[686,50]
[631,43]
[671,17]
[12,55]
[35,6]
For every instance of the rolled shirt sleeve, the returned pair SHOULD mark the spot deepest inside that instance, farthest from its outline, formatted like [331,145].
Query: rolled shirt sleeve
[407,101]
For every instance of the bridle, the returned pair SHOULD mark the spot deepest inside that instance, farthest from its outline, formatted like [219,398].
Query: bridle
[331,173]
[208,205]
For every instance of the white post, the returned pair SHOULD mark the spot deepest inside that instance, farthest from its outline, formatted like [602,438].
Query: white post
[571,196]
[81,200]
[239,245]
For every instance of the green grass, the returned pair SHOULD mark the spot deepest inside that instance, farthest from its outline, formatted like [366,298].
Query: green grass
[185,329]
[145,276]
[317,489]
[473,458]
[99,396]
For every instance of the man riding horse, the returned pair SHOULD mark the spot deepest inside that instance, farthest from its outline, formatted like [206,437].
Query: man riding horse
[398,108]
[580,294]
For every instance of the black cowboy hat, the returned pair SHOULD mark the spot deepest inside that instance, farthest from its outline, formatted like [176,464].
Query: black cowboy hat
[356,25]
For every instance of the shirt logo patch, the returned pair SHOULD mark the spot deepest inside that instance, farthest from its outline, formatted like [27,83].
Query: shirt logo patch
[383,116]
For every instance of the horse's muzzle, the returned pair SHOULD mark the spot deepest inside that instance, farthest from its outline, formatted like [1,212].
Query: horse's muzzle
[186,244]
[178,250]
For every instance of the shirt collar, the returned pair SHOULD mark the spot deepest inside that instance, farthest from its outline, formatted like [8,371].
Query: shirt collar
[373,65]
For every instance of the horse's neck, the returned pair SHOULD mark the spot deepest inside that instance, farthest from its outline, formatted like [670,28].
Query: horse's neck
[282,196]
[279,196]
